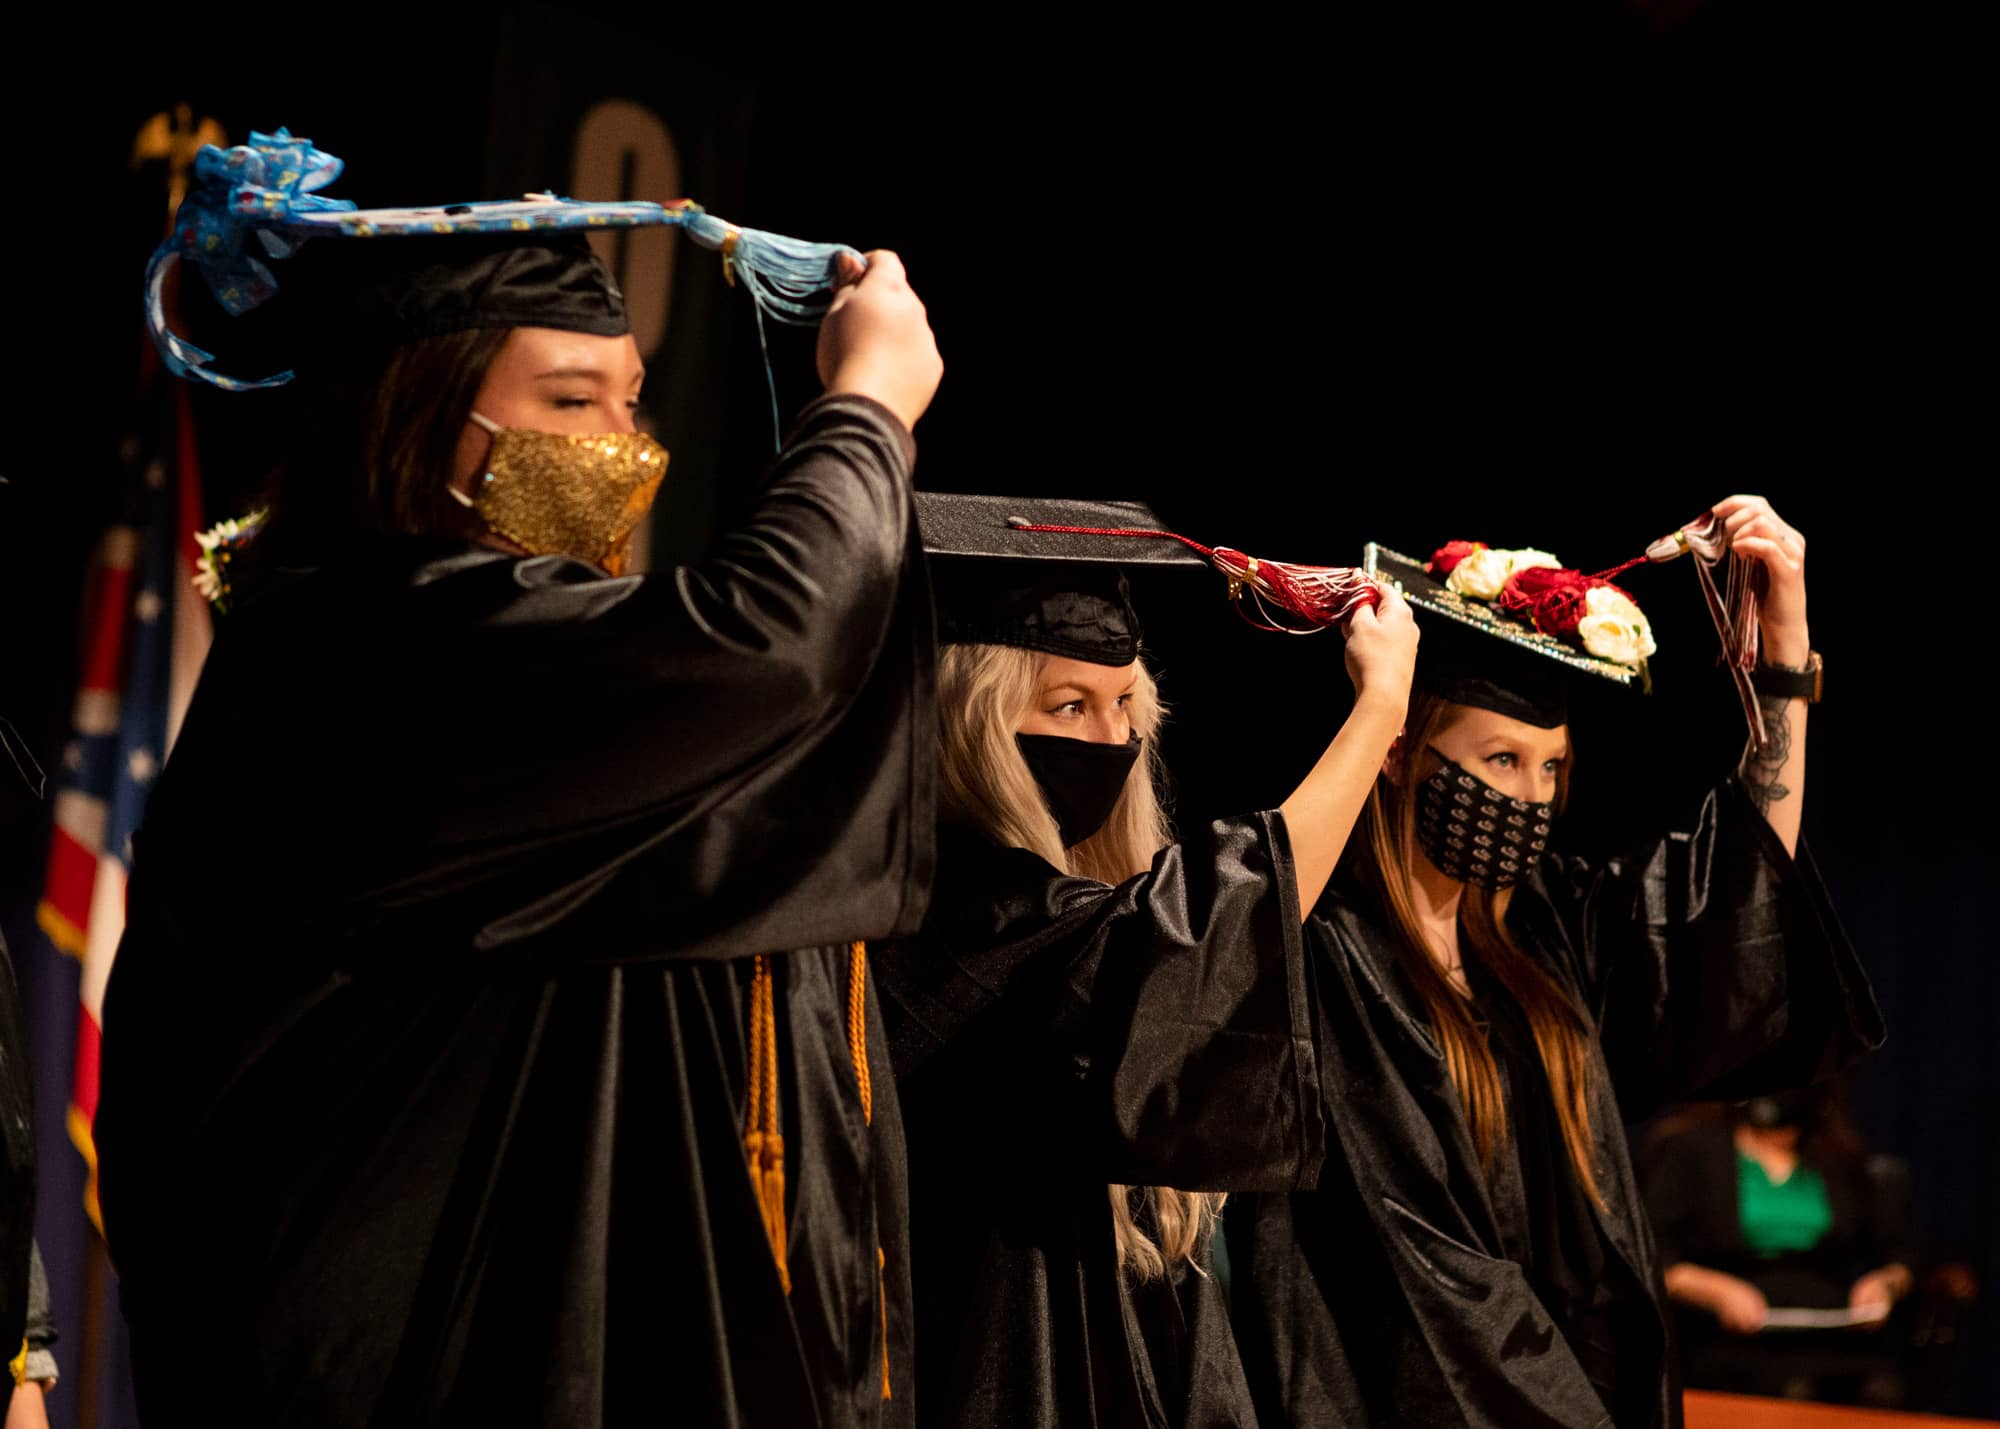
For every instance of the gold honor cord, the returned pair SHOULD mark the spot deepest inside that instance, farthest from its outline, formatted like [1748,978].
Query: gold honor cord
[763,1142]
[857,1047]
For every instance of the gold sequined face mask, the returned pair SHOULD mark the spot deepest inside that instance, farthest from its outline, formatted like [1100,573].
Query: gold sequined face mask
[552,494]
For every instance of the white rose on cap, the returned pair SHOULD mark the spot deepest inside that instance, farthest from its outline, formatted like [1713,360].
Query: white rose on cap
[1613,627]
[1484,574]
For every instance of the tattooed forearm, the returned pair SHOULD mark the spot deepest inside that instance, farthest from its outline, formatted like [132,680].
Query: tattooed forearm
[1761,767]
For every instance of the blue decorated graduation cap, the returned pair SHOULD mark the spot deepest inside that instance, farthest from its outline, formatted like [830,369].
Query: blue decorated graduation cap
[509,264]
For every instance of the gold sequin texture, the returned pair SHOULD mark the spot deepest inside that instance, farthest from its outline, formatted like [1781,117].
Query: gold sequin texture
[548,492]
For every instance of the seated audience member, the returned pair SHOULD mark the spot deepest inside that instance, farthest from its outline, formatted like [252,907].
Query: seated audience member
[1774,1209]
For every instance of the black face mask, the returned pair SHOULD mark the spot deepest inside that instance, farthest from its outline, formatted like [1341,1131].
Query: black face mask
[1477,834]
[1080,779]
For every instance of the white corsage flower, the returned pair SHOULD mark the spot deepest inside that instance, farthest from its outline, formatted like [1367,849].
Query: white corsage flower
[1485,573]
[1613,628]
[218,545]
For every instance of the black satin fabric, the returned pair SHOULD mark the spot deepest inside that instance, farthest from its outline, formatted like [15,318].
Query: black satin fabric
[1713,968]
[1061,608]
[344,296]
[1052,1035]
[17,1170]
[425,1051]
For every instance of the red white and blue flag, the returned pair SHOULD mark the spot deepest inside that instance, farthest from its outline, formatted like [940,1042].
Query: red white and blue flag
[145,634]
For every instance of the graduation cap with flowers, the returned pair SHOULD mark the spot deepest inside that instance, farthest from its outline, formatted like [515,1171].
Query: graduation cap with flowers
[1533,621]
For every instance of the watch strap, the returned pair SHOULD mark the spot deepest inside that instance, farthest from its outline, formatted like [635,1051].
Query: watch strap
[1780,682]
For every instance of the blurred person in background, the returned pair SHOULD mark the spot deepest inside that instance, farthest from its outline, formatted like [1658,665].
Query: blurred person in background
[1774,1207]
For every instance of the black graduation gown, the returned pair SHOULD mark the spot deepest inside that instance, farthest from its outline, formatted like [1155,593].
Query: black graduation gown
[1713,967]
[425,1051]
[1052,1035]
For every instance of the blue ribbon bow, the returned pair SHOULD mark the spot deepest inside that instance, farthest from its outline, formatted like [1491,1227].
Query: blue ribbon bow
[236,193]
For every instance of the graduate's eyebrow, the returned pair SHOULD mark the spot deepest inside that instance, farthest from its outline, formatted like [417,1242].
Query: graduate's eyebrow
[1498,743]
[571,373]
[1054,690]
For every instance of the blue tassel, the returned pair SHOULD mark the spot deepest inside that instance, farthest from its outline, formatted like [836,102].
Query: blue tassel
[788,278]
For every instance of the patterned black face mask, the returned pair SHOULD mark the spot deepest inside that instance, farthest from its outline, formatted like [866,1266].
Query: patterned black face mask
[1477,834]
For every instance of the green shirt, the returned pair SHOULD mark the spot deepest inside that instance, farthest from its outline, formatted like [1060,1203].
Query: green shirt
[1793,1214]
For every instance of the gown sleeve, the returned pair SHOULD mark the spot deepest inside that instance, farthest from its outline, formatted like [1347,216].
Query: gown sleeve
[1711,959]
[713,760]
[1154,1033]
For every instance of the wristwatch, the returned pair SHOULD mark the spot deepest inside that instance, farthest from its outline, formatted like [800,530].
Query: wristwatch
[1786,683]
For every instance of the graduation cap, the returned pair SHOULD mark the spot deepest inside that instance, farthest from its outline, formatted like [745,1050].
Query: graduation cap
[1020,572]
[519,263]
[1491,653]
[1001,578]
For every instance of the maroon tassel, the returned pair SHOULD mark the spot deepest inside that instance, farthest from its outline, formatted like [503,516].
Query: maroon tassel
[1733,608]
[1321,596]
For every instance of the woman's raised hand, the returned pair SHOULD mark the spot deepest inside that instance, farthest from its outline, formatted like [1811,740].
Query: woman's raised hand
[1321,813]
[1382,652]
[1758,533]
[876,340]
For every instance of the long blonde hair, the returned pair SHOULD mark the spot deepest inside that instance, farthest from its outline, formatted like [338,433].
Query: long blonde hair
[983,691]
[1560,1032]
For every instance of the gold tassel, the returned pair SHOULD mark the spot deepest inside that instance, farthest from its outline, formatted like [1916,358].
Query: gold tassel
[762,1141]
[857,1048]
[857,1026]
[882,1285]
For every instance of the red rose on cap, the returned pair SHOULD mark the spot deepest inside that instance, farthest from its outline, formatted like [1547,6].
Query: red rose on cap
[1447,556]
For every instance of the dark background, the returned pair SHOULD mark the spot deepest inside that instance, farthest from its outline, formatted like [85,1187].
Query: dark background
[1559,279]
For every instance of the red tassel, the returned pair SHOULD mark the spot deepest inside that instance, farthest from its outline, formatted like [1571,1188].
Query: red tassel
[1321,596]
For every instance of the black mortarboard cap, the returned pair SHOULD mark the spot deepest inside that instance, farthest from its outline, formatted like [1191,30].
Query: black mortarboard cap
[1061,593]
[1471,654]
[367,296]
[432,286]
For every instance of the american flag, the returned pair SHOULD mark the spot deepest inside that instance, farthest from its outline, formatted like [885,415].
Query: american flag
[145,634]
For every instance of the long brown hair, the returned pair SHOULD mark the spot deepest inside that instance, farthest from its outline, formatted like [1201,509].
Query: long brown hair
[1386,857]
[983,691]
[379,436]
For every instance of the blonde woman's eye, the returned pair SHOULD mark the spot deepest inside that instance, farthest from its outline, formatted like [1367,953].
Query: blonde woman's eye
[1505,761]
